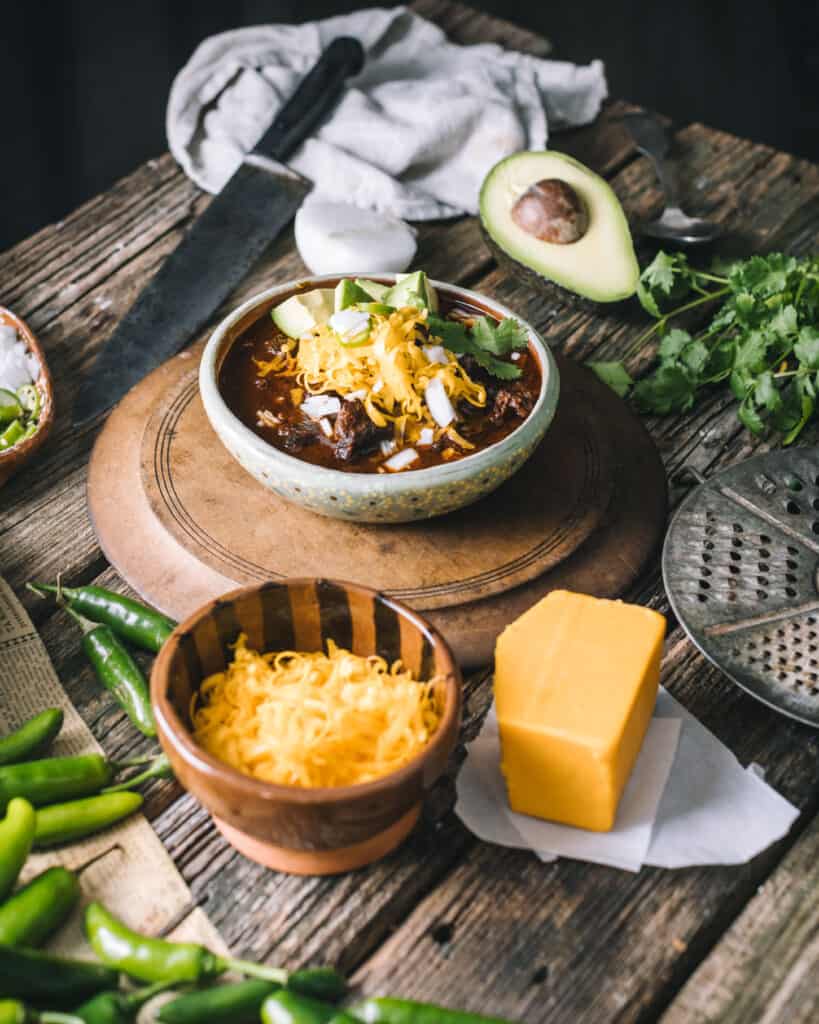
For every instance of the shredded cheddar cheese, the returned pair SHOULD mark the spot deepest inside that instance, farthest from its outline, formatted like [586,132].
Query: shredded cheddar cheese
[392,371]
[314,719]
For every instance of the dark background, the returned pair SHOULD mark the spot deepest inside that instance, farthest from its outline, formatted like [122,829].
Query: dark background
[84,83]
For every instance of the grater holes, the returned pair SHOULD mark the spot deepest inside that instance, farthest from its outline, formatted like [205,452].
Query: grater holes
[764,567]
[815,526]
[792,507]
[790,564]
[815,504]
[793,552]
[736,542]
[737,528]
[790,578]
[790,592]
[762,594]
[704,585]
[793,482]
[764,553]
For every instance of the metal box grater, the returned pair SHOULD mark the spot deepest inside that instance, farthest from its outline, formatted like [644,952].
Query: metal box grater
[740,568]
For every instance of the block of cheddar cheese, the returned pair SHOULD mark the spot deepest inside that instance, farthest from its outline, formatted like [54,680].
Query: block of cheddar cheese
[576,679]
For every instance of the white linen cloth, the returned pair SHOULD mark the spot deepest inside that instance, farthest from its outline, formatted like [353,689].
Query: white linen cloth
[415,132]
[702,809]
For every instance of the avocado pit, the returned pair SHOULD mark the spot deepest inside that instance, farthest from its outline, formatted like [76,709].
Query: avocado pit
[552,211]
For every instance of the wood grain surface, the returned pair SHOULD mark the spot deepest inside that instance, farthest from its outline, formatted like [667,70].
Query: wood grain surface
[446,916]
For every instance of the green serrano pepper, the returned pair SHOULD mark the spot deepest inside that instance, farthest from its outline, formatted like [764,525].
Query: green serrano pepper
[54,779]
[118,672]
[286,1007]
[38,909]
[239,1003]
[16,837]
[29,974]
[117,1007]
[159,960]
[32,737]
[65,823]
[129,619]
[405,1011]
[14,1012]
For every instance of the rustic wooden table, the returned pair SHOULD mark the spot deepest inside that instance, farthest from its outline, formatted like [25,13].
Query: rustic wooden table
[449,918]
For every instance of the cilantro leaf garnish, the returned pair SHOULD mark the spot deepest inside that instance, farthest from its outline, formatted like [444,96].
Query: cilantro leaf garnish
[762,338]
[615,375]
[485,341]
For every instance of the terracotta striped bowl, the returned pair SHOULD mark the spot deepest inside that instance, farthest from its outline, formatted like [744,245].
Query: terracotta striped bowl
[303,831]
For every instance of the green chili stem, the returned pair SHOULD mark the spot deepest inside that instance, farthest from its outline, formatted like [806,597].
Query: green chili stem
[85,625]
[158,768]
[252,970]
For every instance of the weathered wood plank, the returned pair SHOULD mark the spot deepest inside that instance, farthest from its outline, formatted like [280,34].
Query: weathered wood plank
[765,968]
[465,25]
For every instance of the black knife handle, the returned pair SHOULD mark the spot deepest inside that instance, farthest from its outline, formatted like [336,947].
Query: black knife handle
[316,95]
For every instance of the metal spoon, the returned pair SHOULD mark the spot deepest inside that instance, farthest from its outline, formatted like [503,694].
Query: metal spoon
[673,225]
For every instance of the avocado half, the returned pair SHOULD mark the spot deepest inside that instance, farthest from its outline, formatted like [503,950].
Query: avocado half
[600,265]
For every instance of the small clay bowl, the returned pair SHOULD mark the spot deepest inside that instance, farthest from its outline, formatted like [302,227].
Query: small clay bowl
[13,458]
[303,831]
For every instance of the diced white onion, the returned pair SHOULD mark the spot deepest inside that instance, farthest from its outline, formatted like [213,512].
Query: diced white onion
[8,338]
[515,356]
[17,365]
[326,427]
[316,406]
[438,402]
[359,395]
[401,459]
[427,436]
[378,386]
[350,323]
[435,354]
[387,447]
[339,238]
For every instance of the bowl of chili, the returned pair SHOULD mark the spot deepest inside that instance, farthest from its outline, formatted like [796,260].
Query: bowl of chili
[316,475]
[304,829]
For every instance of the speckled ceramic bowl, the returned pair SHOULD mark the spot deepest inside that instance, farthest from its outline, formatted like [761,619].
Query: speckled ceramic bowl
[373,497]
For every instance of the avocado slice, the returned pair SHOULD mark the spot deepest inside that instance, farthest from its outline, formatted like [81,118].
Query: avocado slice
[412,290]
[348,293]
[551,214]
[373,289]
[304,311]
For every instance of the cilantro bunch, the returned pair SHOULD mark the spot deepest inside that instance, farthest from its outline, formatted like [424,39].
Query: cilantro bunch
[762,339]
[485,340]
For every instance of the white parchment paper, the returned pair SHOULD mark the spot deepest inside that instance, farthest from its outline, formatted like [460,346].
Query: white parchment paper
[688,801]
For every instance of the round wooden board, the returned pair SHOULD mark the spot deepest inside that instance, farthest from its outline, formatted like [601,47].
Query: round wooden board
[234,525]
[596,484]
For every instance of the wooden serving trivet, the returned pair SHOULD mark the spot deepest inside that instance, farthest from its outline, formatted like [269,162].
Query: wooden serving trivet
[183,522]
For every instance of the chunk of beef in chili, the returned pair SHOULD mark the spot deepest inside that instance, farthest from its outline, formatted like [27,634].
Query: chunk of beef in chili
[296,434]
[354,433]
[503,398]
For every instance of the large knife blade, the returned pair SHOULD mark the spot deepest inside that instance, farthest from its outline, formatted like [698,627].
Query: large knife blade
[241,221]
